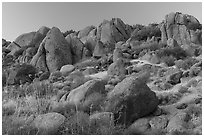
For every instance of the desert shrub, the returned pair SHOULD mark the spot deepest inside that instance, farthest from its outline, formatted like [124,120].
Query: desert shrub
[152,46]
[7,61]
[12,125]
[25,72]
[40,89]
[176,52]
[168,60]
[68,32]
[148,31]
[77,123]
[186,63]
[198,51]
[137,27]
[168,98]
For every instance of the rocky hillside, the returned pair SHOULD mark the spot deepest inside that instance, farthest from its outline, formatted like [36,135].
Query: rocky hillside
[111,79]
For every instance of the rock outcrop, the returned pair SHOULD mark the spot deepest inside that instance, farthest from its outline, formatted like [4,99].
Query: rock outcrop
[182,28]
[131,99]
[76,48]
[53,53]
[110,32]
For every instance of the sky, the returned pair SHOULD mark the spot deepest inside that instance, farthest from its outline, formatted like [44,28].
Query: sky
[21,17]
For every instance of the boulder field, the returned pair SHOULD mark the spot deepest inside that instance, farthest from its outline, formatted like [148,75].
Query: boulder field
[111,79]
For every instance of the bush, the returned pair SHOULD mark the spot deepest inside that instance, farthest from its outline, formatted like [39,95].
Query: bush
[152,46]
[168,60]
[25,73]
[176,52]
[142,33]
[15,126]
[186,64]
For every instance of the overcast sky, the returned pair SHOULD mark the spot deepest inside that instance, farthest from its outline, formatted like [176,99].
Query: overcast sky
[18,18]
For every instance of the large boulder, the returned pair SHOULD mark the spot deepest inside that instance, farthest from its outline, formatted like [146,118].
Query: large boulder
[117,68]
[76,48]
[53,53]
[39,60]
[88,95]
[48,123]
[99,50]
[131,99]
[43,30]
[88,37]
[117,53]
[85,32]
[25,39]
[110,32]
[67,69]
[179,27]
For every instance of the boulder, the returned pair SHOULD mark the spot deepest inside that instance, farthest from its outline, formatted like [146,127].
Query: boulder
[159,122]
[55,76]
[90,70]
[39,60]
[75,79]
[44,76]
[57,50]
[140,126]
[88,95]
[53,53]
[25,39]
[85,32]
[177,122]
[13,48]
[76,48]
[90,43]
[177,26]
[174,78]
[43,30]
[66,69]
[117,68]
[172,43]
[131,99]
[99,50]
[113,31]
[48,123]
[117,53]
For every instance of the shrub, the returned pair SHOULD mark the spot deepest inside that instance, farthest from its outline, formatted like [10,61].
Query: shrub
[147,46]
[142,33]
[25,73]
[186,64]
[176,52]
[39,89]
[13,125]
[168,60]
